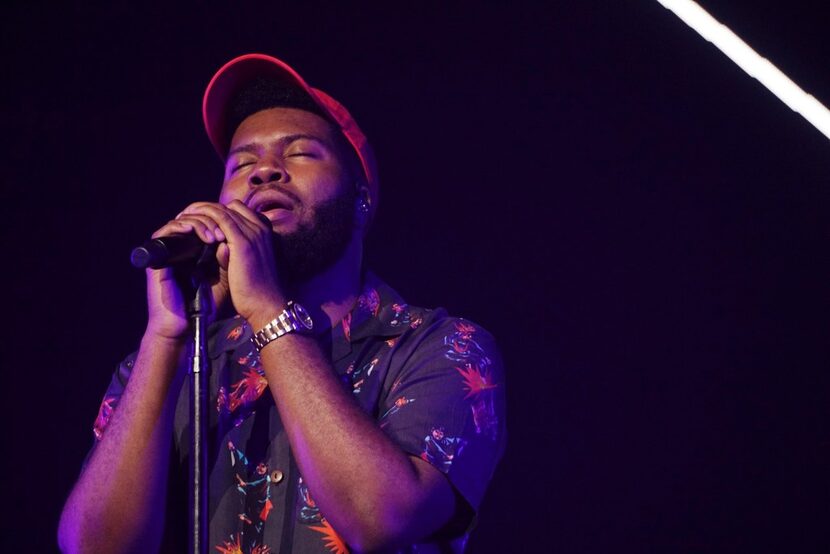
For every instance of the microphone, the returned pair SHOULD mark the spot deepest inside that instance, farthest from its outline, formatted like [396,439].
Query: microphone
[172,250]
[168,251]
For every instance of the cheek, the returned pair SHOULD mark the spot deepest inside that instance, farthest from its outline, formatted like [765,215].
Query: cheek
[325,186]
[233,189]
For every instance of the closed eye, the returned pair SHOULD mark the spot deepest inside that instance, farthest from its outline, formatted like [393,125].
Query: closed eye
[239,166]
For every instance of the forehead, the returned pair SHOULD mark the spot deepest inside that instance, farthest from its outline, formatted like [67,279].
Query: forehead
[273,123]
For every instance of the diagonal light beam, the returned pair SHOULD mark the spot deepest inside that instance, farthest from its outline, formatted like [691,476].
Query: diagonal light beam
[748,59]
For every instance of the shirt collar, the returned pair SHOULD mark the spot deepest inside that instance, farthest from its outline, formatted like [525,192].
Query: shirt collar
[374,314]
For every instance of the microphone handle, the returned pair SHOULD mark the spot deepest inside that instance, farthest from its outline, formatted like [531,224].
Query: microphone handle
[174,249]
[167,251]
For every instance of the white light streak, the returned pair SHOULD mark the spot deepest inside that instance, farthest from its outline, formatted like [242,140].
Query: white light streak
[747,59]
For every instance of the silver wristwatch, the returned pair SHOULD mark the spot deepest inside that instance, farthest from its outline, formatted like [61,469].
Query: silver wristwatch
[293,318]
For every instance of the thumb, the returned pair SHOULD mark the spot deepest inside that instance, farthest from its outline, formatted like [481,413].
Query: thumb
[223,255]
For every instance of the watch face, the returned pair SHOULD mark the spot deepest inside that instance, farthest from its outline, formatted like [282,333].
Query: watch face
[303,317]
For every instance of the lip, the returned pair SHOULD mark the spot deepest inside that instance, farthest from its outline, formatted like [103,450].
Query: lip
[272,201]
[278,215]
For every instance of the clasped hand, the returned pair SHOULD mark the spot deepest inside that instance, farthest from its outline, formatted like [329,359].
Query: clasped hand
[248,276]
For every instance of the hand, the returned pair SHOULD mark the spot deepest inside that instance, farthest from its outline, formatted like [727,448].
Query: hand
[167,317]
[167,303]
[248,272]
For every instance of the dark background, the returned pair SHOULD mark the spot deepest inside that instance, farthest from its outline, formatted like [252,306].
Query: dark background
[641,225]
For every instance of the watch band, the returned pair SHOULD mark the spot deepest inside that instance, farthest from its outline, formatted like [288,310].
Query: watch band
[293,318]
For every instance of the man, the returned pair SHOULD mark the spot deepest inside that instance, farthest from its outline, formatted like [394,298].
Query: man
[324,381]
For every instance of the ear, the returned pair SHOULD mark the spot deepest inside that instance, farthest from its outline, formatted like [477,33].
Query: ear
[364,200]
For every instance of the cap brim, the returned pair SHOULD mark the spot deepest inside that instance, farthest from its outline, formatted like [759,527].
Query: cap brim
[229,80]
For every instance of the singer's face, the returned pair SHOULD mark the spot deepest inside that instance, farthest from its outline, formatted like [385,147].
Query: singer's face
[285,163]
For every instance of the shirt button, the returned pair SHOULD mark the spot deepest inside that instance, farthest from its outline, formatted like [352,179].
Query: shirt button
[276,476]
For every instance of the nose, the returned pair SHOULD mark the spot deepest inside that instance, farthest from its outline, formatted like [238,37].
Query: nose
[267,172]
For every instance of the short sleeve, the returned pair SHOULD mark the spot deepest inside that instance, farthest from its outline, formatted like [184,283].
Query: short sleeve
[446,401]
[110,401]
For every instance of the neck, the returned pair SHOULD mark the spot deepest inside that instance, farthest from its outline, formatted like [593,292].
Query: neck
[330,295]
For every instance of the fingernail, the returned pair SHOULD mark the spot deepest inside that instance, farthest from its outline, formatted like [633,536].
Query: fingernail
[220,236]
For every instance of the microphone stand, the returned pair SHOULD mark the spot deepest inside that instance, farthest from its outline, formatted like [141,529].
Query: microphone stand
[166,252]
[198,311]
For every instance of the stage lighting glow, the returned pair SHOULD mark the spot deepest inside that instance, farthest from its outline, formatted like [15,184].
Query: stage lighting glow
[750,61]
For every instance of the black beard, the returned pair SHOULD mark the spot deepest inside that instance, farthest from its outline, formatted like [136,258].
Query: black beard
[316,246]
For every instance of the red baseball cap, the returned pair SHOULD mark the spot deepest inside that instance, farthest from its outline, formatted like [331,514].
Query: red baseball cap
[238,72]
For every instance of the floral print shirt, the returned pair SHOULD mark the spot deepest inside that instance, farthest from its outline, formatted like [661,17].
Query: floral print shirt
[433,383]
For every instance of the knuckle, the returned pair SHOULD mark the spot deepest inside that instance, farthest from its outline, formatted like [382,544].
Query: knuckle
[226,218]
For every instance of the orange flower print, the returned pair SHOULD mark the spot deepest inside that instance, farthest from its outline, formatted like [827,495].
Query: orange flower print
[331,539]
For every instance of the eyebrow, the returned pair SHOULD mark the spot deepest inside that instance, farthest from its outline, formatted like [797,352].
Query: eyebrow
[282,141]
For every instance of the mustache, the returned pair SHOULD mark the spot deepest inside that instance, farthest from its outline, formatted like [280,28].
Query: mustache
[280,189]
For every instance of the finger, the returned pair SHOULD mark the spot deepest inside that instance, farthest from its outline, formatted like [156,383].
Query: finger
[259,220]
[204,225]
[161,274]
[233,226]
[172,227]
[223,255]
[206,213]
[197,206]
